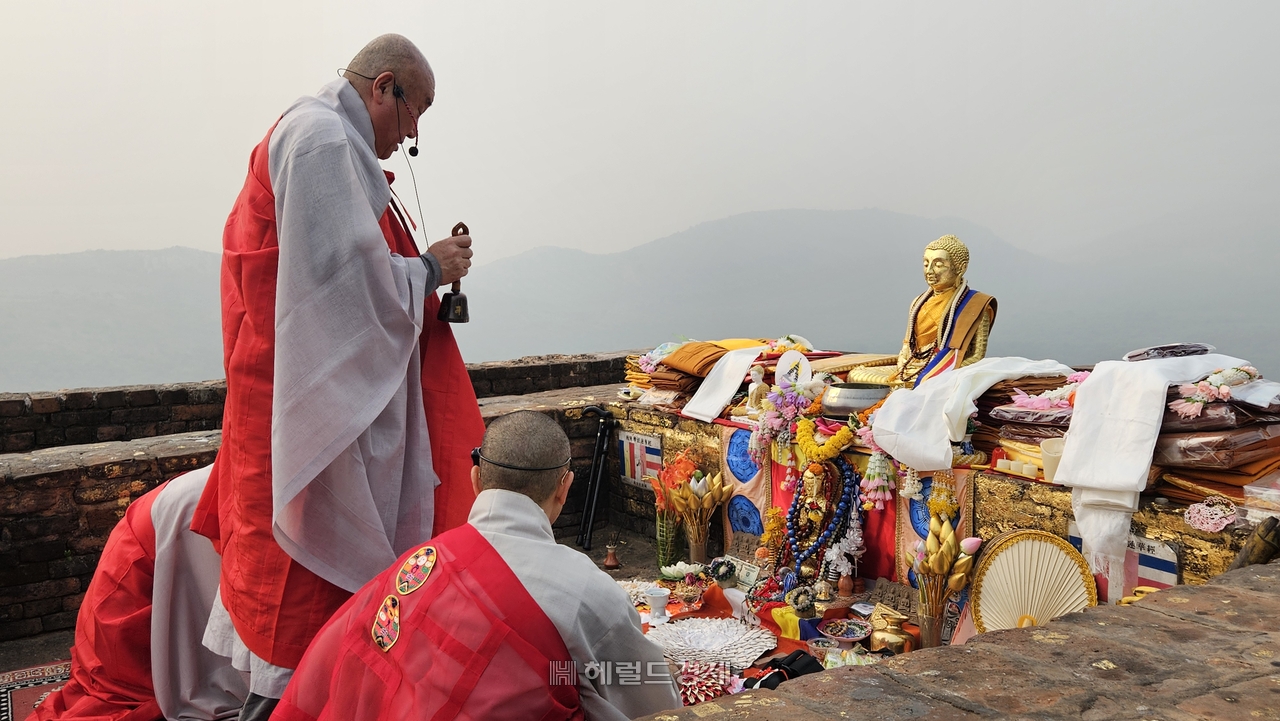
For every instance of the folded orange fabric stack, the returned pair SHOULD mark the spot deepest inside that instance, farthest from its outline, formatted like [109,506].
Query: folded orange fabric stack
[696,358]
[665,379]
[1218,450]
[1242,456]
[635,376]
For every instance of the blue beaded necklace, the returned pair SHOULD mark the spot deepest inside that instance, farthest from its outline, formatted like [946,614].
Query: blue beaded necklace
[850,479]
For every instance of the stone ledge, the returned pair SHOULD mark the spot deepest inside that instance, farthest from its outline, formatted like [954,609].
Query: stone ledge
[536,374]
[1188,652]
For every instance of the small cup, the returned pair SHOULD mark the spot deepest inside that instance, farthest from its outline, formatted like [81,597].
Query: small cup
[657,598]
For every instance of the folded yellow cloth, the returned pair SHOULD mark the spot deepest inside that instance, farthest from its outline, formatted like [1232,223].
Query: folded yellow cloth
[788,622]
[738,343]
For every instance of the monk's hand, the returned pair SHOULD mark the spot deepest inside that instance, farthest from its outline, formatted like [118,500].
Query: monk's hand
[454,256]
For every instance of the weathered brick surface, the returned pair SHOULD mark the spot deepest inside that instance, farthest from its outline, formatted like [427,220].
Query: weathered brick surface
[95,415]
[536,374]
[1189,652]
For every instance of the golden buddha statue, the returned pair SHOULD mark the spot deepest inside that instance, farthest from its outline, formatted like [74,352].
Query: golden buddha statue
[948,324]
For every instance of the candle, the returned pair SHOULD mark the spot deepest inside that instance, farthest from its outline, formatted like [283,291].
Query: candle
[1002,464]
[1015,467]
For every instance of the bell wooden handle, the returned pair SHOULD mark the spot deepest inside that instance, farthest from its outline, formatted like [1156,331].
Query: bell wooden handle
[459,229]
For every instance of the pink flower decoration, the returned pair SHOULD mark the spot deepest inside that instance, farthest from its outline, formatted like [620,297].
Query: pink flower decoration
[1212,515]
[1187,408]
[970,545]
[1224,392]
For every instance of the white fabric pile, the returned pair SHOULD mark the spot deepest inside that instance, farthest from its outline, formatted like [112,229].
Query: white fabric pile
[917,426]
[1107,457]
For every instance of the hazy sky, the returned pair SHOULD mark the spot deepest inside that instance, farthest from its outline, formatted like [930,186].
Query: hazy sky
[604,125]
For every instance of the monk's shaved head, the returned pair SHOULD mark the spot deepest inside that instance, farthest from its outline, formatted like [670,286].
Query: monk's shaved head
[525,439]
[390,52]
[397,86]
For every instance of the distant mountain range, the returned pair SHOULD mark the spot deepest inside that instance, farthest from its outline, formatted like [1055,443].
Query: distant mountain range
[844,279]
[109,318]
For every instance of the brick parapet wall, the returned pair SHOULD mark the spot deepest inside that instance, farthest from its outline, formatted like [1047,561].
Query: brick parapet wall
[535,374]
[57,507]
[31,421]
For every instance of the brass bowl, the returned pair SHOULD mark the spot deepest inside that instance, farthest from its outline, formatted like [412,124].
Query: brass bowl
[840,400]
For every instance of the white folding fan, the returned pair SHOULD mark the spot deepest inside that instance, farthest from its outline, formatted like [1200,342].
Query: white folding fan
[1028,578]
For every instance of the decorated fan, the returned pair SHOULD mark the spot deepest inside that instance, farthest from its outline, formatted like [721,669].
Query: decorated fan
[1028,578]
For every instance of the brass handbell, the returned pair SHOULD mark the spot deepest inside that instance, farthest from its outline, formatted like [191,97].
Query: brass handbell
[453,305]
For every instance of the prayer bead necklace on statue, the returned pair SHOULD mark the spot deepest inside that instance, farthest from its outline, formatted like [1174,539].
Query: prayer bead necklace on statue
[917,353]
[849,478]
[943,332]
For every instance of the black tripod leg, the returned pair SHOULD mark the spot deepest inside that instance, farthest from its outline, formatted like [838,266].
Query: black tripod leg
[597,472]
[583,536]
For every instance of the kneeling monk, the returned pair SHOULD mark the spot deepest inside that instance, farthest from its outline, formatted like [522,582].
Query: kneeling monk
[491,620]
[137,654]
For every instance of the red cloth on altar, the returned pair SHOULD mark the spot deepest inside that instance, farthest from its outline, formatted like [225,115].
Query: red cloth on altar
[471,643]
[879,537]
[276,604]
[110,670]
[879,530]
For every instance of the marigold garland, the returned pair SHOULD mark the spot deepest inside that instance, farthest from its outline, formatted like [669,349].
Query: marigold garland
[821,454]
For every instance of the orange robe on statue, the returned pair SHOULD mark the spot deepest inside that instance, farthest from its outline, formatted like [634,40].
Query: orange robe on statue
[276,604]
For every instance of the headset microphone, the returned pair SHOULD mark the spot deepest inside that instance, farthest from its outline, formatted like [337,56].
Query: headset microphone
[397,91]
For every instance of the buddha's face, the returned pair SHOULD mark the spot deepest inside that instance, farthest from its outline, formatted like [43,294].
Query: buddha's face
[938,272]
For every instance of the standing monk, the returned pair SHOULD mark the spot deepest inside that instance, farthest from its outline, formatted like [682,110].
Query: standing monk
[347,401]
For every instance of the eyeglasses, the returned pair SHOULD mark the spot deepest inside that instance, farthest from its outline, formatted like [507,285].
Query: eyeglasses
[476,458]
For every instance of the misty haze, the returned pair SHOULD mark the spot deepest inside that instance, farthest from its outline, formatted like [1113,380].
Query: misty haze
[637,174]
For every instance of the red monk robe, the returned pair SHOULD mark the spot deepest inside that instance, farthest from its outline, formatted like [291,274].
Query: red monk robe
[110,672]
[277,605]
[446,632]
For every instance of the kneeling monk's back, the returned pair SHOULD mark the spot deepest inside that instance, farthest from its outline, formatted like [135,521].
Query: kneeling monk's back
[491,620]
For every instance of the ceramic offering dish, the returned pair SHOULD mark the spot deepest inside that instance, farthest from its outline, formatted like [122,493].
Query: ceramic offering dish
[845,630]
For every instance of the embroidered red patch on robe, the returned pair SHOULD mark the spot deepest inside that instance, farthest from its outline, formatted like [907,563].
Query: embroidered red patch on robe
[386,627]
[415,570]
